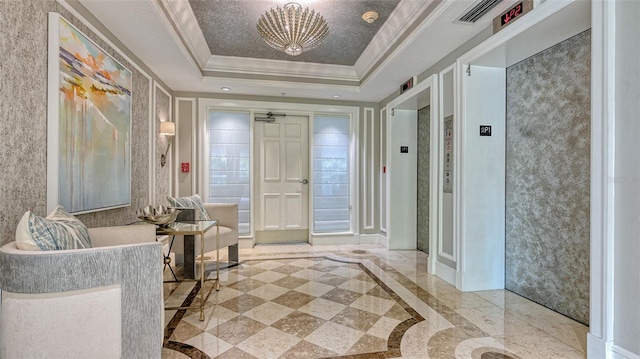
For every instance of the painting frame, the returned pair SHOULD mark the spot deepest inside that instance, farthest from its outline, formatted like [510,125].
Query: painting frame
[89,123]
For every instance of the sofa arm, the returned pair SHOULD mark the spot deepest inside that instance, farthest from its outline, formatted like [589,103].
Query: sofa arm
[119,235]
[136,269]
[225,213]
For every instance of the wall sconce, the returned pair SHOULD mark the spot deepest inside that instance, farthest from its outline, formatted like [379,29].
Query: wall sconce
[167,129]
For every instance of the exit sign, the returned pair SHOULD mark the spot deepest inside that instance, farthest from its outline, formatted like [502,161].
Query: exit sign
[512,14]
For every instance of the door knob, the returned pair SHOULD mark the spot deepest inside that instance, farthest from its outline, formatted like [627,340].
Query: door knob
[304,181]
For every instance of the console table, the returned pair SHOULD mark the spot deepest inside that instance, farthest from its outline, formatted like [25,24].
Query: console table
[189,231]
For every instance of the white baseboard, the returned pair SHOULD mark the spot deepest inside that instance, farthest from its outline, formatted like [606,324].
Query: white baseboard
[384,240]
[369,239]
[430,267]
[332,240]
[598,348]
[621,353]
[447,273]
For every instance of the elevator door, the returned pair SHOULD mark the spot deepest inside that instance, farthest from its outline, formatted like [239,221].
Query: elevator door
[424,150]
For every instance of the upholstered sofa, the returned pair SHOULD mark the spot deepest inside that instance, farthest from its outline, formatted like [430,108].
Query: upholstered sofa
[227,216]
[99,302]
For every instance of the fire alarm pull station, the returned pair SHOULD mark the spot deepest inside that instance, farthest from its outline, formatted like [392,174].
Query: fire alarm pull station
[184,167]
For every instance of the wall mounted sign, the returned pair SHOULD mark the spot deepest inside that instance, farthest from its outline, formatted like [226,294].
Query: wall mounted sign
[447,181]
[485,130]
[404,149]
[407,85]
[512,14]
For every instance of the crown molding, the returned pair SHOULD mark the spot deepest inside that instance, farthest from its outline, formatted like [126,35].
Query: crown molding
[401,19]
[282,83]
[184,22]
[307,70]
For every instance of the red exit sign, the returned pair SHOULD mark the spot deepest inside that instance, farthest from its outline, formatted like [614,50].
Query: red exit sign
[514,12]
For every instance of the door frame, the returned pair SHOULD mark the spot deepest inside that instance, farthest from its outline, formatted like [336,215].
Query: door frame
[411,101]
[301,109]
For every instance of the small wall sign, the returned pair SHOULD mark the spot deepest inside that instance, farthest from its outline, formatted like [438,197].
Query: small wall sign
[485,130]
[513,13]
[404,149]
[407,85]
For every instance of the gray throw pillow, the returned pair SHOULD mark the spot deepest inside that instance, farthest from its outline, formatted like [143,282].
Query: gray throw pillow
[190,202]
[59,230]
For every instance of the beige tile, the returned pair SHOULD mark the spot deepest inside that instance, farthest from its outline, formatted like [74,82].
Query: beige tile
[302,263]
[268,277]
[467,348]
[308,274]
[269,265]
[209,344]
[268,313]
[368,344]
[172,354]
[268,292]
[214,316]
[373,304]
[383,327]
[293,299]
[299,324]
[346,272]
[235,353]
[304,349]
[552,323]
[237,329]
[335,337]
[414,342]
[341,296]
[358,286]
[539,345]
[496,322]
[459,299]
[269,343]
[224,294]
[356,319]
[314,288]
[322,308]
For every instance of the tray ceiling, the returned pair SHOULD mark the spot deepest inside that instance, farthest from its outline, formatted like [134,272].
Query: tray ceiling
[201,46]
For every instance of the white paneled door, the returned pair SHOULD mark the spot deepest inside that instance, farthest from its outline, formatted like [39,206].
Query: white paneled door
[282,150]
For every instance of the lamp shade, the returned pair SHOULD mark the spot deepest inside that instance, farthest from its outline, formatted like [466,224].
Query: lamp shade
[167,128]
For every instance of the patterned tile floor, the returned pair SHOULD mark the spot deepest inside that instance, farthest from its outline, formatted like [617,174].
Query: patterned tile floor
[358,302]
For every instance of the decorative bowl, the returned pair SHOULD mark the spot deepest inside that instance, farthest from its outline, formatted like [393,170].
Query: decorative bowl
[159,215]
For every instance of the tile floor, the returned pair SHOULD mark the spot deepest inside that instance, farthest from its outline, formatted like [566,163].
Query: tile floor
[301,301]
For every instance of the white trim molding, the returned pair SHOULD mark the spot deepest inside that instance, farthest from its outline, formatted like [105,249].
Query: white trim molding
[621,353]
[601,335]
[368,159]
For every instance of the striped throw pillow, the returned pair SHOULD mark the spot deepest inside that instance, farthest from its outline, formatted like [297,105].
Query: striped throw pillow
[190,202]
[59,230]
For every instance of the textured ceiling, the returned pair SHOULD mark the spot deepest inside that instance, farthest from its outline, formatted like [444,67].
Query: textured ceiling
[229,27]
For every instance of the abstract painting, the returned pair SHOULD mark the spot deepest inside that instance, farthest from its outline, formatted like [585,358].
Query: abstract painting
[89,124]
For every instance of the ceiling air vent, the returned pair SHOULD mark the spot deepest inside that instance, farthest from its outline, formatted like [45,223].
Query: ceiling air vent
[479,10]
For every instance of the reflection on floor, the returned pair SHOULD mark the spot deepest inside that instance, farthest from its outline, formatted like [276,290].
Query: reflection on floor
[300,301]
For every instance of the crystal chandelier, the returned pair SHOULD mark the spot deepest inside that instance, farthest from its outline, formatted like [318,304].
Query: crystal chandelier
[291,29]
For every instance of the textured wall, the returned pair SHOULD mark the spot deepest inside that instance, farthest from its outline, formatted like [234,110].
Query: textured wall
[163,174]
[547,184]
[424,162]
[23,117]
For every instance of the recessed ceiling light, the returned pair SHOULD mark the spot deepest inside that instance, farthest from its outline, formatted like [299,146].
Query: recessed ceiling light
[370,16]
[226,89]
[335,96]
